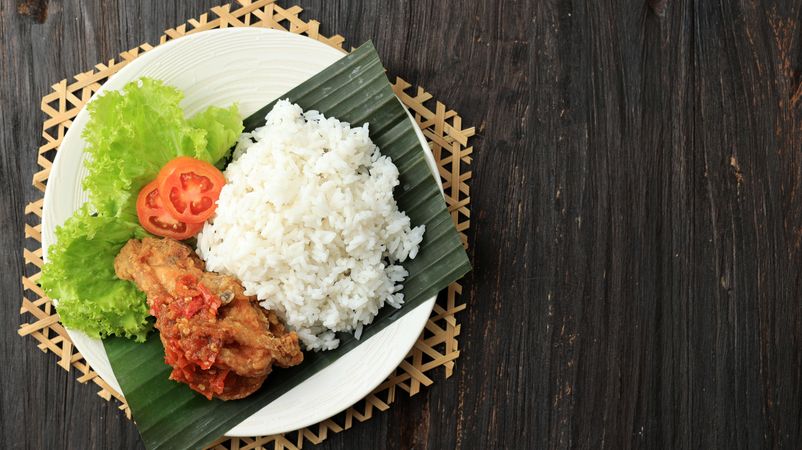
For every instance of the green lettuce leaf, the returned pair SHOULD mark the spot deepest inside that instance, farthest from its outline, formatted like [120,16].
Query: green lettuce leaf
[129,137]
[222,126]
[80,274]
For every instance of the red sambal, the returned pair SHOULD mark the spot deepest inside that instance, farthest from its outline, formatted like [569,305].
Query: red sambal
[191,355]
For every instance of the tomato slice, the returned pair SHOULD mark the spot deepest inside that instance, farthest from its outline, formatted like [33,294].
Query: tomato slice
[156,220]
[189,188]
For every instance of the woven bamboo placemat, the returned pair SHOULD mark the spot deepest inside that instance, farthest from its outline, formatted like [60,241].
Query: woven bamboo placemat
[436,349]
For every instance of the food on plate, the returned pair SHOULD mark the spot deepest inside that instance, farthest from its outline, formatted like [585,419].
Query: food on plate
[189,188]
[155,219]
[302,229]
[219,342]
[130,136]
[308,223]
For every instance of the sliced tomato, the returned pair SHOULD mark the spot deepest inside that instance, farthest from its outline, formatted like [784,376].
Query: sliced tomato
[189,188]
[156,220]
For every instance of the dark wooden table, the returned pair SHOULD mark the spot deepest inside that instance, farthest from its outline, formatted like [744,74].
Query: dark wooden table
[636,232]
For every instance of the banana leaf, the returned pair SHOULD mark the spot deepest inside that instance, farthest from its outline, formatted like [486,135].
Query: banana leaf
[356,90]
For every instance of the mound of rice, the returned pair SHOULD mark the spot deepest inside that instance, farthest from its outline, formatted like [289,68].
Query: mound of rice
[308,223]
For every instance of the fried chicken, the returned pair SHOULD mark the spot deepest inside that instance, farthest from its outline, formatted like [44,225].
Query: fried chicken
[218,340]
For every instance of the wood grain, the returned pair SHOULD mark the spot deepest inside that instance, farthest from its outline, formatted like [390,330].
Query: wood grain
[637,218]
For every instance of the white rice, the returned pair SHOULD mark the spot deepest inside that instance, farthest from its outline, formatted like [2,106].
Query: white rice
[308,223]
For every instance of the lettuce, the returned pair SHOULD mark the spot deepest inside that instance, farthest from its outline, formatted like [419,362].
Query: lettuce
[80,274]
[130,135]
[223,127]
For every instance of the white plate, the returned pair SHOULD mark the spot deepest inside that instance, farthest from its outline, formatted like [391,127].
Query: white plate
[250,66]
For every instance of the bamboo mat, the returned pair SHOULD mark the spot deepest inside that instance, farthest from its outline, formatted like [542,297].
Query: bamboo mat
[436,349]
